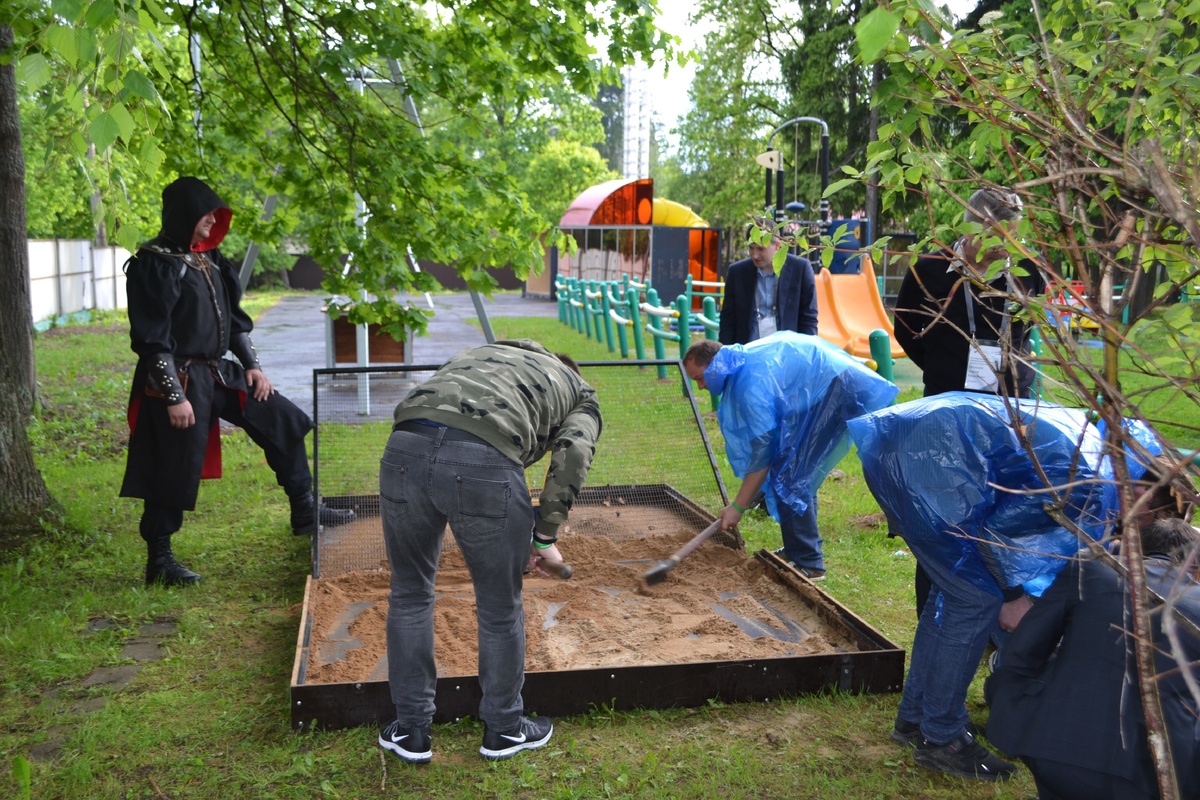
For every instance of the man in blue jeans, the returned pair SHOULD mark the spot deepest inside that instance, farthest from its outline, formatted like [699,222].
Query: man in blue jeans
[784,405]
[457,454]
[955,626]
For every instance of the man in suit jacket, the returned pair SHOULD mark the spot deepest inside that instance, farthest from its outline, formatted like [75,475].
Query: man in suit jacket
[1065,696]
[758,302]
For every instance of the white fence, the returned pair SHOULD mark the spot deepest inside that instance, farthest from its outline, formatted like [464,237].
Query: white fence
[69,275]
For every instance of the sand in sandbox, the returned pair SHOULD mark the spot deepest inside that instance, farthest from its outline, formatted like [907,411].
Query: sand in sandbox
[717,605]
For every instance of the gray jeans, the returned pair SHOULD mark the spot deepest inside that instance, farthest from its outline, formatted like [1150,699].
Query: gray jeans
[427,479]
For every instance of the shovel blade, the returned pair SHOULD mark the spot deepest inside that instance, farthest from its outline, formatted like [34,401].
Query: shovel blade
[658,573]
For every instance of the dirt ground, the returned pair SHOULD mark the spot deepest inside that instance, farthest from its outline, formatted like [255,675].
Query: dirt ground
[717,605]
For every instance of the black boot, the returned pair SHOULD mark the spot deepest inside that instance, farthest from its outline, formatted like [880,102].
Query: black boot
[161,566]
[306,514]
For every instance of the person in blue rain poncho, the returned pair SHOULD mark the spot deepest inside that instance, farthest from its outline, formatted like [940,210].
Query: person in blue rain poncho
[954,472]
[785,401]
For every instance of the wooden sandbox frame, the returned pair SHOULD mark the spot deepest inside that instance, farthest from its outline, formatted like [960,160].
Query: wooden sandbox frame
[876,666]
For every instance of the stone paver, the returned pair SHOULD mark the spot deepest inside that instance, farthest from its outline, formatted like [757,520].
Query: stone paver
[98,687]
[112,677]
[141,649]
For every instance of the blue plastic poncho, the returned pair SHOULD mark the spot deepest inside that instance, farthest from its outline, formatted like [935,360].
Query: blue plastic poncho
[949,470]
[785,400]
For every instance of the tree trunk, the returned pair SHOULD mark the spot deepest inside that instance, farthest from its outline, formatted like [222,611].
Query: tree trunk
[23,494]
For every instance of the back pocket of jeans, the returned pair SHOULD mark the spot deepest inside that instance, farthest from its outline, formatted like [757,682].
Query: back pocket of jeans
[483,504]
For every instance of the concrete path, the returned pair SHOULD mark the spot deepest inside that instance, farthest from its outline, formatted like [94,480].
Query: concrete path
[290,337]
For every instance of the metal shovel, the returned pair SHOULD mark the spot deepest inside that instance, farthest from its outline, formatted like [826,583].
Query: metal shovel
[658,573]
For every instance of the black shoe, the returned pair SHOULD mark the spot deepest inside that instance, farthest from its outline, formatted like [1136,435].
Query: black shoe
[332,517]
[413,745]
[162,568]
[964,758]
[906,733]
[306,514]
[909,733]
[527,735]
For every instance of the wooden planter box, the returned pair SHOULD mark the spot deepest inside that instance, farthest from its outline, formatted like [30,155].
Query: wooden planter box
[382,348]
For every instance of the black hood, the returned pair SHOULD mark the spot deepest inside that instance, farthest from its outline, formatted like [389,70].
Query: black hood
[185,201]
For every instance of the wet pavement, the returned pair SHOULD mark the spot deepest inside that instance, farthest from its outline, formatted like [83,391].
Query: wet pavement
[291,336]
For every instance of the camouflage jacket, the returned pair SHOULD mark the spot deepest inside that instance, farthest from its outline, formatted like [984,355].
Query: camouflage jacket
[517,396]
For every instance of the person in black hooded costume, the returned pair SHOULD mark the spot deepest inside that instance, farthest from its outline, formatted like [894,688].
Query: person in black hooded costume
[184,315]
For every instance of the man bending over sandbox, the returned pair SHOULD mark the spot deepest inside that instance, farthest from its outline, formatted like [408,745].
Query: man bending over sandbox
[785,400]
[457,455]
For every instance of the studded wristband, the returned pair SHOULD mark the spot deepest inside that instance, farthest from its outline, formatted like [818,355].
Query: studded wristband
[162,379]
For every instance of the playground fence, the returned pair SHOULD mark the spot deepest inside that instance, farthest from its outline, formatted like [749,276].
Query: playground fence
[612,313]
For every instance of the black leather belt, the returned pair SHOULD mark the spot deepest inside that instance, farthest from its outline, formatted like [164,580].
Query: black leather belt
[208,362]
[431,429]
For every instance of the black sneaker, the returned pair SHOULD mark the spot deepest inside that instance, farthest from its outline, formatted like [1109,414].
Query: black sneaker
[963,758]
[413,745]
[909,733]
[529,734]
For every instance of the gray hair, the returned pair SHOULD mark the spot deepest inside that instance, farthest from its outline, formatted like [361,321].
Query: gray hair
[1169,536]
[991,205]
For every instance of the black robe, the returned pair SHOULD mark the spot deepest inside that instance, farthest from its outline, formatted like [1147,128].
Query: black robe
[184,315]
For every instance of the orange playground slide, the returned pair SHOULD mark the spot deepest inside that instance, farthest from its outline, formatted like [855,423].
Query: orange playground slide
[849,308]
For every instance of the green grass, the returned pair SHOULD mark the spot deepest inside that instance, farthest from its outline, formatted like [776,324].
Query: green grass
[211,719]
[1160,399]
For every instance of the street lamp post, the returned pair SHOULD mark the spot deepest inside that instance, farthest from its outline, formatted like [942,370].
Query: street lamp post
[772,160]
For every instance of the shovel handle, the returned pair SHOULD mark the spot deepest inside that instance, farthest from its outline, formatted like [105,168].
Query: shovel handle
[558,569]
[696,541]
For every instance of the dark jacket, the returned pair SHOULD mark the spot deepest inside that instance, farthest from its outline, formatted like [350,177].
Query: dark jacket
[939,344]
[1080,705]
[184,314]
[796,299]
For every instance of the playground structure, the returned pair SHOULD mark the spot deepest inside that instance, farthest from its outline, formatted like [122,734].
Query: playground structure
[850,311]
[620,314]
[635,251]
[620,228]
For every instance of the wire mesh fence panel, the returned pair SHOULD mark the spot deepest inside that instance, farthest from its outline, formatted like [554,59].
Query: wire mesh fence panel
[653,461]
